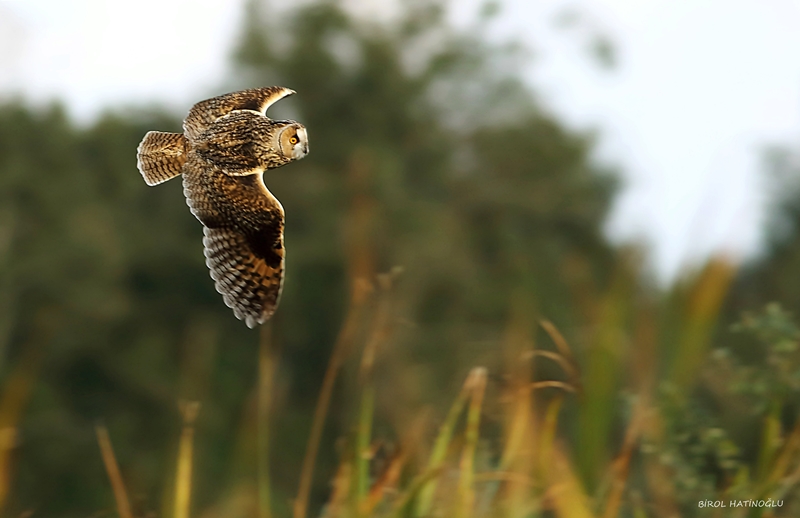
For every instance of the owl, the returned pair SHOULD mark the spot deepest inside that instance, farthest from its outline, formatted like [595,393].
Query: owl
[227,144]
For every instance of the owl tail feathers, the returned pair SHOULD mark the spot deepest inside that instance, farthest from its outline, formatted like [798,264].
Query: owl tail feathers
[161,156]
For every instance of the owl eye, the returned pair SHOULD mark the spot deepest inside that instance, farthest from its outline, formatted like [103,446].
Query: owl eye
[294,140]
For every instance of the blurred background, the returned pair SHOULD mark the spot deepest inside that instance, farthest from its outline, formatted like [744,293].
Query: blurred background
[596,201]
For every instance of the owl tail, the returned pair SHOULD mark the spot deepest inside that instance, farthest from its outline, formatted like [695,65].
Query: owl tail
[161,156]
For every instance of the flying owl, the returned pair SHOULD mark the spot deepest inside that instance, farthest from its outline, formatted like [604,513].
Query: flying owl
[227,144]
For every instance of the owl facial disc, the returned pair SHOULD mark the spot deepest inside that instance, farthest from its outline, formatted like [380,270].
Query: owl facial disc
[293,141]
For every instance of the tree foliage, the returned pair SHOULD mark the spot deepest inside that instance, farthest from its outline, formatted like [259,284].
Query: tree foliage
[427,152]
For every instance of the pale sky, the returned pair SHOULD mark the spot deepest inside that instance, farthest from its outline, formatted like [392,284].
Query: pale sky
[700,88]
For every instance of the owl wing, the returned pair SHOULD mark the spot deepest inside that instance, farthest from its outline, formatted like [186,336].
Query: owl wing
[204,113]
[243,227]
[248,283]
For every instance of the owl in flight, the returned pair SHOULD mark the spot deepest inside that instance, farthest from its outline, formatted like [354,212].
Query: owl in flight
[227,144]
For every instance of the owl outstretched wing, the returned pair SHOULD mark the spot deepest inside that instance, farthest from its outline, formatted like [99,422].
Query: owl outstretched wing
[248,284]
[204,113]
[243,227]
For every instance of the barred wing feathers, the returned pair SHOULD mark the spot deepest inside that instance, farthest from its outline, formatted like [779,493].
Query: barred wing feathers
[160,156]
[204,113]
[243,228]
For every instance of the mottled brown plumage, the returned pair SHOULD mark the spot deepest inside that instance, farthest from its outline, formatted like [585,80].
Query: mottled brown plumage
[227,144]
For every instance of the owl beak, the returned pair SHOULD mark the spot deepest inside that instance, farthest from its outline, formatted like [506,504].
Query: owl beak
[300,151]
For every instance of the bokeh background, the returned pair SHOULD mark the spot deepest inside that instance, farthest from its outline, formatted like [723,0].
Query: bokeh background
[595,201]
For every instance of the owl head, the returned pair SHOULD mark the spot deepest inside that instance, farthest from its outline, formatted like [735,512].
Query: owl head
[245,140]
[291,140]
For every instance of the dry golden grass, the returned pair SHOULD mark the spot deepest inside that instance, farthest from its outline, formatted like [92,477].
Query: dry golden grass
[536,469]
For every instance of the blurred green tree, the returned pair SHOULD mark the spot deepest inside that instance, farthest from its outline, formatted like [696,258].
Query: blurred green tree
[427,152]
[469,185]
[773,275]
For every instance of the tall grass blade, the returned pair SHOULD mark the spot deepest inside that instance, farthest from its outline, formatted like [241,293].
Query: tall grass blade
[565,358]
[415,488]
[564,363]
[770,442]
[548,435]
[601,379]
[343,346]
[621,465]
[783,462]
[477,386]
[16,394]
[8,440]
[183,478]
[341,490]
[553,384]
[363,450]
[700,317]
[267,362]
[114,475]
[790,480]
[439,452]
[566,492]
[385,481]
[659,477]
[516,460]
[518,428]
[377,336]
